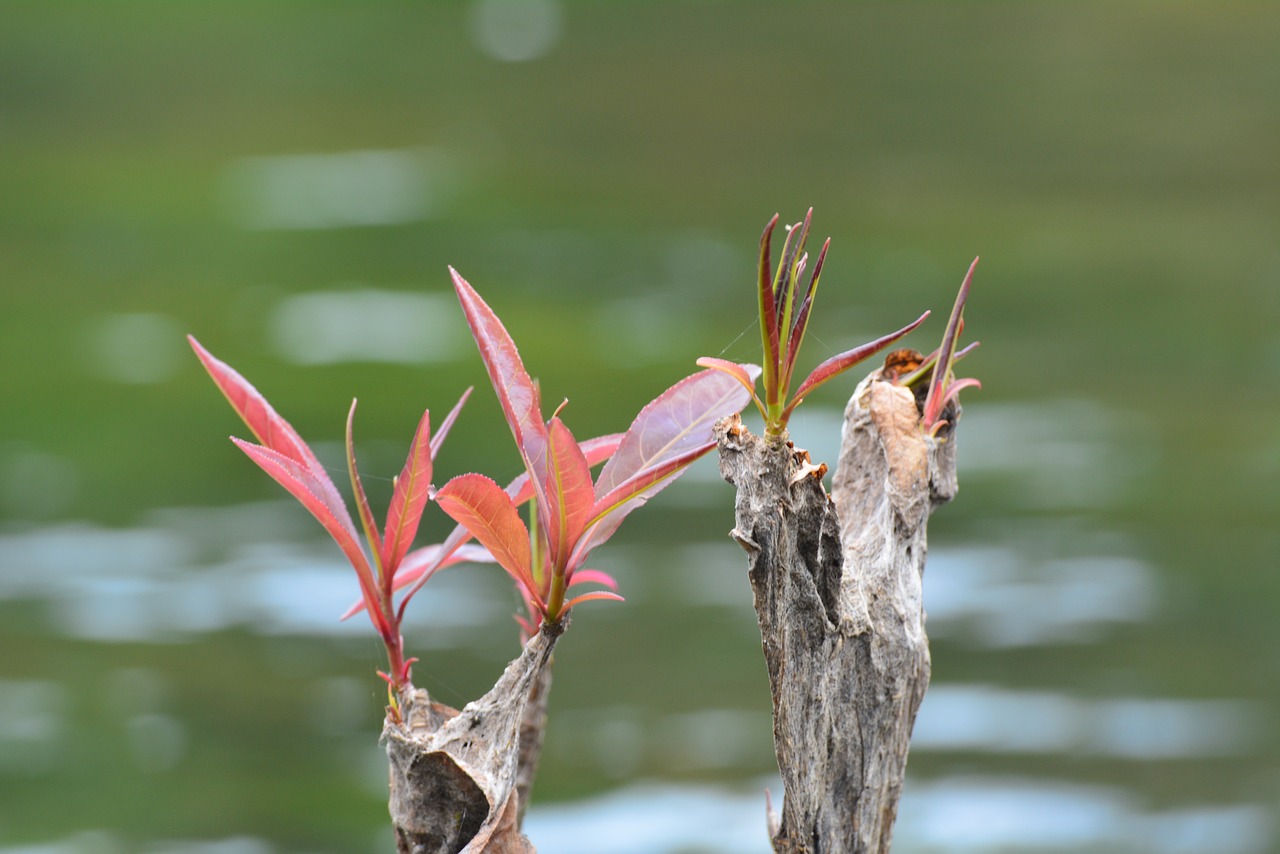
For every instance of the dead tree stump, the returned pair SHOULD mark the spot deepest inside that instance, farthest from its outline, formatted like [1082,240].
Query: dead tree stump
[837,587]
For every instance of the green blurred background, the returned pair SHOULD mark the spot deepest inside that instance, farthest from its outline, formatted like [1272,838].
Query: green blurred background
[288,181]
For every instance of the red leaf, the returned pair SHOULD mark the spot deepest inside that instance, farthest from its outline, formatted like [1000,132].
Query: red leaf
[617,504]
[768,306]
[428,559]
[438,439]
[516,391]
[672,424]
[586,597]
[267,426]
[946,353]
[801,323]
[593,576]
[301,484]
[596,451]
[418,571]
[362,501]
[410,496]
[483,508]
[738,371]
[842,362]
[570,497]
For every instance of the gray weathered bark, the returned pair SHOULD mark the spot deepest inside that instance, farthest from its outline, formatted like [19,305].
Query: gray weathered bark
[459,779]
[837,586]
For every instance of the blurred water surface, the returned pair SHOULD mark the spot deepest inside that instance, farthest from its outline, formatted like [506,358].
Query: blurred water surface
[289,181]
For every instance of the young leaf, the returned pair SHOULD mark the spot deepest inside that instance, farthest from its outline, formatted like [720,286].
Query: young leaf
[421,564]
[617,504]
[302,484]
[570,496]
[516,391]
[801,324]
[934,401]
[483,508]
[409,498]
[738,371]
[670,432]
[675,422]
[768,306]
[438,439]
[262,420]
[362,501]
[842,362]
[586,597]
[593,576]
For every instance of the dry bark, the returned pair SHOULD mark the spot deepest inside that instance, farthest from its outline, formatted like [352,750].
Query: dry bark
[837,587]
[459,779]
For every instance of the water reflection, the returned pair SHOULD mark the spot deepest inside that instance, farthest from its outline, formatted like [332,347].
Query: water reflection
[953,815]
[366,325]
[159,583]
[995,720]
[1051,582]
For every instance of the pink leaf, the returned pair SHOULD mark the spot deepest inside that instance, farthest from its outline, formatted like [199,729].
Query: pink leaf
[801,323]
[266,425]
[738,371]
[946,353]
[301,484]
[520,490]
[362,501]
[483,508]
[570,496]
[410,496]
[438,439]
[429,559]
[954,389]
[516,391]
[593,576]
[596,451]
[617,504]
[768,306]
[587,597]
[842,362]
[677,421]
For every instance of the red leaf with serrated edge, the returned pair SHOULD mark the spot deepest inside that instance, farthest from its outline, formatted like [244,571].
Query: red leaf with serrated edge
[842,362]
[302,485]
[587,597]
[570,496]
[483,508]
[409,498]
[516,391]
[362,501]
[266,424]
[438,439]
[676,421]
[593,576]
[596,451]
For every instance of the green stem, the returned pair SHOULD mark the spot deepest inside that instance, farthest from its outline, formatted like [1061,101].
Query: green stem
[556,600]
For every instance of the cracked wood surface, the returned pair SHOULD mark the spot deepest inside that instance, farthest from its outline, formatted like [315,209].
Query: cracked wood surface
[837,587]
[459,780]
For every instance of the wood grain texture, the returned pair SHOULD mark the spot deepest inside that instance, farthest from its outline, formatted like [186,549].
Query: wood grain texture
[837,582]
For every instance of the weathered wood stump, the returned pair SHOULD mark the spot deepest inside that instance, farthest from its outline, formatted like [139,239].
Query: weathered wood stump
[837,583]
